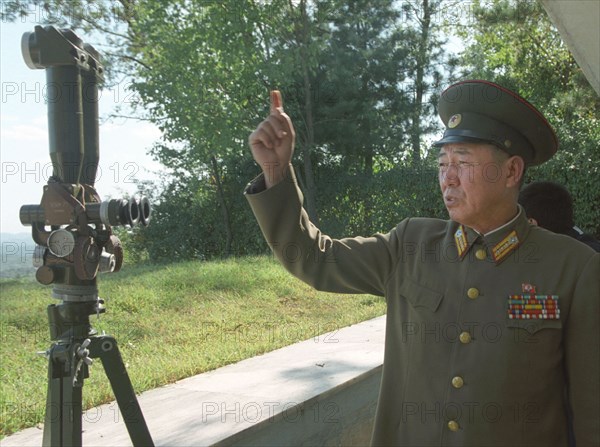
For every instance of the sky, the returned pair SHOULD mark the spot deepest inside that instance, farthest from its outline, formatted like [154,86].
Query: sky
[24,149]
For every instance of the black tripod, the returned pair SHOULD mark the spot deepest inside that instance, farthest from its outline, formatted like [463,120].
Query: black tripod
[72,228]
[75,345]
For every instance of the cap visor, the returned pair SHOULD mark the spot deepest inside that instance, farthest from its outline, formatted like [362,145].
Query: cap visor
[459,139]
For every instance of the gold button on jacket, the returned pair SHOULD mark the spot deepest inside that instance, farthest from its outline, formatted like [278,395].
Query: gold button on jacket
[519,370]
[453,425]
[472,293]
[457,382]
[465,337]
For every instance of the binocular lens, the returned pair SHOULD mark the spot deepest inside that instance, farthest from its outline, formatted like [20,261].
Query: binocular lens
[121,212]
[145,211]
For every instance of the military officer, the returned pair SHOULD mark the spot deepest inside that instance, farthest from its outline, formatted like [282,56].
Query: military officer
[492,332]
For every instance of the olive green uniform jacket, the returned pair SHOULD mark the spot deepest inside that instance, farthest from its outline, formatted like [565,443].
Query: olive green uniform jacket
[458,369]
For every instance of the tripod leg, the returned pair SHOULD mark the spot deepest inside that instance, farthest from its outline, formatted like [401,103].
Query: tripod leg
[106,348]
[62,424]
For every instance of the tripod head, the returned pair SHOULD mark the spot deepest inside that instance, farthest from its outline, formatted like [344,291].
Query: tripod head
[72,226]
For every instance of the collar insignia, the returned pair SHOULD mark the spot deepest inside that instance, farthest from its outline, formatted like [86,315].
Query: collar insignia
[460,237]
[505,246]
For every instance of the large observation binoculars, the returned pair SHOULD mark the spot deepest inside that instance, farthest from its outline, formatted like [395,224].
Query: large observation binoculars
[72,228]
[79,242]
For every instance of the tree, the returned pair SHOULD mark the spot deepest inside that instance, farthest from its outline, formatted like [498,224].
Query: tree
[516,45]
[431,65]
[361,70]
[202,71]
[203,59]
[195,66]
[299,41]
[381,63]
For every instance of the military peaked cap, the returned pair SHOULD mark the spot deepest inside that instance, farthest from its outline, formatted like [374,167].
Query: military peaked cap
[481,111]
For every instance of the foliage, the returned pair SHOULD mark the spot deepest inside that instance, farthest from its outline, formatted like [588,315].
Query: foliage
[577,167]
[362,67]
[203,80]
[394,193]
[516,45]
[186,222]
[359,79]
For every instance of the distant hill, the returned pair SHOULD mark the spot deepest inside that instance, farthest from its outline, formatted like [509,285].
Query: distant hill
[16,253]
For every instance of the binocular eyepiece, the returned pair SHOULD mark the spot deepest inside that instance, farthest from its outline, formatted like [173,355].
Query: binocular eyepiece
[121,212]
[113,213]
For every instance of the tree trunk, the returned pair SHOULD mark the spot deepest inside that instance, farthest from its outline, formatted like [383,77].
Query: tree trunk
[367,148]
[310,192]
[368,173]
[422,57]
[223,204]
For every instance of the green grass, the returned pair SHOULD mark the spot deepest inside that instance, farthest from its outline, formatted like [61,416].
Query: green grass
[171,322]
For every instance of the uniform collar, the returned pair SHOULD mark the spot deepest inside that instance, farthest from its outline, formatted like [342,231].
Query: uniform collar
[499,243]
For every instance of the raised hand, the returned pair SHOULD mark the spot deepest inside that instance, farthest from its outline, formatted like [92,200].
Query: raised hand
[272,143]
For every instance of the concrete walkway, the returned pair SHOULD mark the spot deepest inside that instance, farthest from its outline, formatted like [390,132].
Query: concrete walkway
[208,408]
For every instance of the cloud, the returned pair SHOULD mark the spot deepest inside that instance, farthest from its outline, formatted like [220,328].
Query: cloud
[16,130]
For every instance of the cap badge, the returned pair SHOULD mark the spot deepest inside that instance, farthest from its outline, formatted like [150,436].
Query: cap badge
[454,121]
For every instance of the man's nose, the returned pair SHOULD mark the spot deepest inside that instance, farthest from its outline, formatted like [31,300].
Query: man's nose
[450,174]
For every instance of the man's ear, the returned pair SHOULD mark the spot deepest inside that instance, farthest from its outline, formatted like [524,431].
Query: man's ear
[516,170]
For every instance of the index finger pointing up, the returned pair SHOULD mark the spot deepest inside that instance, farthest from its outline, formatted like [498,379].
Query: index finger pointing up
[276,102]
